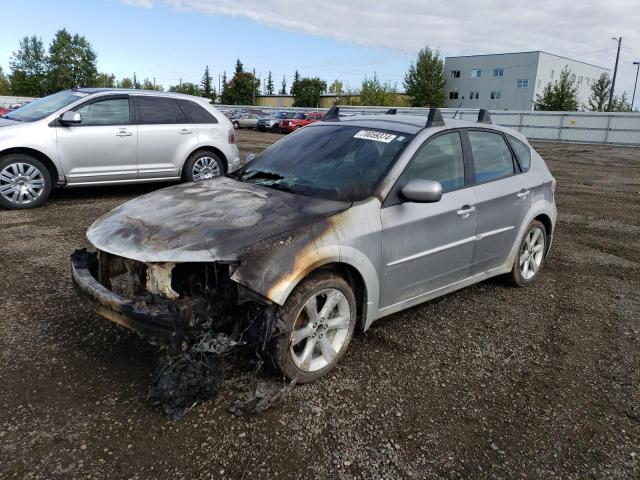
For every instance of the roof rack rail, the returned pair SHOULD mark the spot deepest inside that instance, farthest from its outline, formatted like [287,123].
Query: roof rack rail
[435,118]
[484,117]
[332,115]
[391,111]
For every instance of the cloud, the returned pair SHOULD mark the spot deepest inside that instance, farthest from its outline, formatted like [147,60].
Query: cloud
[139,3]
[580,30]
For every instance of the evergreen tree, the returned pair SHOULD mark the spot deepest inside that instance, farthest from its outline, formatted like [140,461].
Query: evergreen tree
[150,85]
[241,89]
[294,84]
[600,91]
[136,83]
[104,80]
[270,88]
[239,68]
[187,88]
[376,93]
[29,68]
[560,96]
[308,92]
[125,83]
[72,62]
[336,87]
[5,85]
[283,86]
[621,103]
[425,81]
[206,85]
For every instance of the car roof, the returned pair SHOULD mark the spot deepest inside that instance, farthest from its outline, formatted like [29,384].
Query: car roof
[136,91]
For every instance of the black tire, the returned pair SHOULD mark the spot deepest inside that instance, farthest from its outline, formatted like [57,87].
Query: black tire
[43,177]
[291,312]
[275,128]
[525,251]
[236,125]
[187,169]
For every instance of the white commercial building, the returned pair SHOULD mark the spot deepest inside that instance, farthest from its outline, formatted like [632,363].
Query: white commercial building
[511,81]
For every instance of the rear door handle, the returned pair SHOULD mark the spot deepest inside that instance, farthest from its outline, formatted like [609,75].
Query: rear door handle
[184,131]
[123,133]
[465,211]
[523,193]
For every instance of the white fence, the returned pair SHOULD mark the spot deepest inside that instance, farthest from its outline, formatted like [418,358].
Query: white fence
[574,127]
[6,100]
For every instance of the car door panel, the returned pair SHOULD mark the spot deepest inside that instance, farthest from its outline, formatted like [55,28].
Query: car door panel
[103,147]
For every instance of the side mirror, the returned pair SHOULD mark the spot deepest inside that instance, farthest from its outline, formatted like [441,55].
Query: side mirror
[422,191]
[70,118]
[250,157]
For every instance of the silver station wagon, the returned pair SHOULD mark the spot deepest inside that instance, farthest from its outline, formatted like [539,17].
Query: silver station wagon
[331,228]
[100,136]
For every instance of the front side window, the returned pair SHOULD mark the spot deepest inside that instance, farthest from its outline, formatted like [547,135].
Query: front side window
[523,152]
[112,111]
[440,159]
[157,110]
[42,107]
[491,156]
[475,73]
[300,116]
[334,162]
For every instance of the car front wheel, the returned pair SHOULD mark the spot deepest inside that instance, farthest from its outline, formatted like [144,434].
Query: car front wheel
[25,182]
[320,317]
[203,166]
[530,256]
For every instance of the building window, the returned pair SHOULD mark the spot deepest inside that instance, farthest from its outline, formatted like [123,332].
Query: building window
[455,73]
[523,83]
[453,95]
[474,95]
[580,80]
[553,72]
[498,72]
[496,95]
[573,77]
[475,73]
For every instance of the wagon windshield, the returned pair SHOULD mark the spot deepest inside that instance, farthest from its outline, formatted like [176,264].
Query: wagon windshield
[328,161]
[44,106]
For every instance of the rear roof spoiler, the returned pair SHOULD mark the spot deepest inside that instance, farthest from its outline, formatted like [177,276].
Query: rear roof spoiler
[435,118]
[483,116]
[332,115]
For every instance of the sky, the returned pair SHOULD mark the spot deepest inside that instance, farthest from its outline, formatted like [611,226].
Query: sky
[173,40]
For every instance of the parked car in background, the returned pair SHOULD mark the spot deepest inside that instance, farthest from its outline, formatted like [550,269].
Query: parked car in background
[300,120]
[94,136]
[4,111]
[336,226]
[272,122]
[15,106]
[245,120]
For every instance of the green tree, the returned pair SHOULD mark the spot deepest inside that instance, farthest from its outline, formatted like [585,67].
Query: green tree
[29,68]
[621,103]
[223,88]
[206,85]
[336,87]
[241,89]
[270,88]
[136,83]
[376,93]
[72,62]
[425,81]
[126,82]
[5,85]
[105,80]
[307,92]
[151,85]
[187,88]
[559,96]
[239,68]
[294,84]
[600,91]
[283,86]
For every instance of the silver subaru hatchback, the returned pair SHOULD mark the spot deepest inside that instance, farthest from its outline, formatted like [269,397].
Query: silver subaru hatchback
[93,136]
[331,228]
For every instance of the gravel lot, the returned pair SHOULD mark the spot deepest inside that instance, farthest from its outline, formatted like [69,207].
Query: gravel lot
[491,381]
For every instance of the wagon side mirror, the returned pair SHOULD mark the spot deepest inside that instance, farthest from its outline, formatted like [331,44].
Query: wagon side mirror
[70,118]
[250,157]
[422,191]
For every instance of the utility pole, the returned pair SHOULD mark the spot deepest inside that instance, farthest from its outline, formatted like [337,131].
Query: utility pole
[615,72]
[253,86]
[635,85]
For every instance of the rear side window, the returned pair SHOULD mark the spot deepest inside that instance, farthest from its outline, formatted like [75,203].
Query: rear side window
[197,113]
[491,156]
[523,152]
[156,110]
[113,111]
[439,159]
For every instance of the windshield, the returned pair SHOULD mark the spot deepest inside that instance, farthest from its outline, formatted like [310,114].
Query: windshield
[334,162]
[300,116]
[44,106]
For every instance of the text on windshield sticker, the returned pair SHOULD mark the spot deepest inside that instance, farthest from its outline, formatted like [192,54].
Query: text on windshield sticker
[375,136]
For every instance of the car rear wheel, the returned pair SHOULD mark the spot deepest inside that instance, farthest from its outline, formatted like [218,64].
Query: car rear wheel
[25,182]
[202,165]
[275,128]
[320,317]
[236,125]
[530,257]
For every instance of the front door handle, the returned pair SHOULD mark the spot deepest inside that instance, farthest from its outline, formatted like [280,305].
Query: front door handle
[123,133]
[465,211]
[523,193]
[184,131]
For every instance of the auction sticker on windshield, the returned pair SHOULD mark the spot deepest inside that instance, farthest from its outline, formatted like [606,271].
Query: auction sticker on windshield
[376,136]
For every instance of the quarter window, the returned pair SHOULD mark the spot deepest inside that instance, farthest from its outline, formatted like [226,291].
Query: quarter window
[440,160]
[157,110]
[523,152]
[114,111]
[491,156]
[196,113]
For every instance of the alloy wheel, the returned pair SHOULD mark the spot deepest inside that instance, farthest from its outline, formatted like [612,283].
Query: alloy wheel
[205,168]
[21,183]
[532,253]
[321,330]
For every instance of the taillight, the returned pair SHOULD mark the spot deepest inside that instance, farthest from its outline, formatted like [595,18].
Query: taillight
[232,136]
[553,184]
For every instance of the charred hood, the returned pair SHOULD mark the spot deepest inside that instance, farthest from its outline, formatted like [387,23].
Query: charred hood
[212,220]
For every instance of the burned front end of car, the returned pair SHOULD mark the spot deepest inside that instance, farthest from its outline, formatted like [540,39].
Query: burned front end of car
[171,304]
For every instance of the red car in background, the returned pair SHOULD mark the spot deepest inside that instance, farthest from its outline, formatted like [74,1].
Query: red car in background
[4,111]
[299,120]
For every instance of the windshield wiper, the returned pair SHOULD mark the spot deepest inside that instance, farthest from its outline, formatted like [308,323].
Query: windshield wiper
[13,118]
[260,174]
